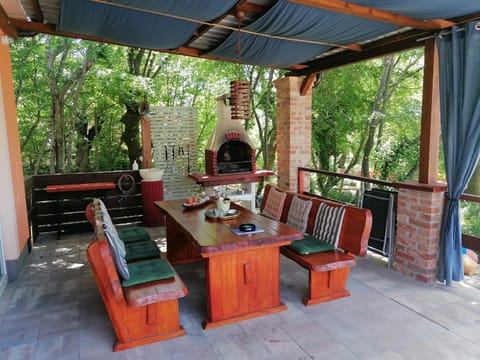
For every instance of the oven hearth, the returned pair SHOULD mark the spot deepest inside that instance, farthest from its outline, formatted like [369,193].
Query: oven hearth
[229,150]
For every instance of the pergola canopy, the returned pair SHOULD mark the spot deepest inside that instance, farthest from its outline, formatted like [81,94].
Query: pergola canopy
[304,36]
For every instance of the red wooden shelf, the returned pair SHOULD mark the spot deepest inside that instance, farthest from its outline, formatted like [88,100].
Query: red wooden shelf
[209,180]
[80,187]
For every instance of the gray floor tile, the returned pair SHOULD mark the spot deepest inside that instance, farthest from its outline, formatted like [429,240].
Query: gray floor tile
[54,311]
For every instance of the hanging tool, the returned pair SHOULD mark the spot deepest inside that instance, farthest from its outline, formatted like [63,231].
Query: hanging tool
[188,158]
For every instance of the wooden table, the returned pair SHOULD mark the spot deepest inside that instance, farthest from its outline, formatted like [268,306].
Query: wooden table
[242,271]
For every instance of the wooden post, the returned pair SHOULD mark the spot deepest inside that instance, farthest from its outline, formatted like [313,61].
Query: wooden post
[146,142]
[430,127]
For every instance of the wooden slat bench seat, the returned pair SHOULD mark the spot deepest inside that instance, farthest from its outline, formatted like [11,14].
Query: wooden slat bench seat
[328,269]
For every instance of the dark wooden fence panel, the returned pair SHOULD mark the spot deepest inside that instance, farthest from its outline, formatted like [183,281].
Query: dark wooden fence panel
[65,211]
[30,208]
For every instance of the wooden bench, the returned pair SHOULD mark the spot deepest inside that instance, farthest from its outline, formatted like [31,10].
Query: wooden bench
[140,314]
[329,270]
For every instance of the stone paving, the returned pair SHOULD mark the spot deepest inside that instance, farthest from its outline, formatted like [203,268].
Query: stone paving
[54,311]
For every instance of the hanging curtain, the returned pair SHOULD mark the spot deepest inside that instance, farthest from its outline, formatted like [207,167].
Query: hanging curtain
[459,54]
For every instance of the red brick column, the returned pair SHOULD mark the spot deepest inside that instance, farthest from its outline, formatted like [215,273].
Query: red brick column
[419,221]
[294,130]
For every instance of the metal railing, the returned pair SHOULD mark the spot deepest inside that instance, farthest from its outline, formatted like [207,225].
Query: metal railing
[469,241]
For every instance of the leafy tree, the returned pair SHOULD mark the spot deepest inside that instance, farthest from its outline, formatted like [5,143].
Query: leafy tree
[370,123]
[339,106]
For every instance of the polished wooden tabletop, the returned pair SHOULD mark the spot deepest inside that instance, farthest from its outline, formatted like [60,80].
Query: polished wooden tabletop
[215,235]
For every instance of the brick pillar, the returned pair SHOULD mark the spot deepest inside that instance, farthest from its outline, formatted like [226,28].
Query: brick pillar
[419,218]
[294,130]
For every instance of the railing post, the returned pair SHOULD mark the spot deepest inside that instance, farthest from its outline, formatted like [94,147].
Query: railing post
[300,181]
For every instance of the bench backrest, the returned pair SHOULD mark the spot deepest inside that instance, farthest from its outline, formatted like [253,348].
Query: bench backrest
[90,214]
[100,255]
[356,227]
[104,270]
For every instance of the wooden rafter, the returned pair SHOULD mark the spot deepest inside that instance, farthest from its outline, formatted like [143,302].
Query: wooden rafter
[307,83]
[6,24]
[35,27]
[38,10]
[401,42]
[240,6]
[375,14]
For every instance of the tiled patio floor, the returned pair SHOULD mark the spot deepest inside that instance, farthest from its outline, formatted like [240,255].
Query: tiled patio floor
[54,311]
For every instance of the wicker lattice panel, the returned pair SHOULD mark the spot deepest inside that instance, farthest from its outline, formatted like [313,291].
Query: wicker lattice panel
[174,134]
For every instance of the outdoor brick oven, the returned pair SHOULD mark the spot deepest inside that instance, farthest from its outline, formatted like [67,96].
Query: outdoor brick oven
[229,150]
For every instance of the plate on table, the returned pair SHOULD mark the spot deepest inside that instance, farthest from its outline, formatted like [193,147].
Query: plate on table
[220,215]
[200,202]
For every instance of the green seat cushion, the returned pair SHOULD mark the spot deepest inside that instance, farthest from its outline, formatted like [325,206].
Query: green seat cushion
[133,234]
[149,270]
[309,245]
[141,250]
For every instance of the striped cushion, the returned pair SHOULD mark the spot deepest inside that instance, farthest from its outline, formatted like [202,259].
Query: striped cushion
[328,223]
[298,213]
[274,204]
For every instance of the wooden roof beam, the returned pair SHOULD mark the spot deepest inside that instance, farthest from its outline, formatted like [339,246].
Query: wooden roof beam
[6,24]
[307,83]
[35,27]
[375,14]
[243,5]
[398,43]
[38,11]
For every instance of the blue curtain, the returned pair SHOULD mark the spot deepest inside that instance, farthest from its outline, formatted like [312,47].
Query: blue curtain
[459,55]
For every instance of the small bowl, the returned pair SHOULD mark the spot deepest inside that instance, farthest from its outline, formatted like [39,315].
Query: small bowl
[153,174]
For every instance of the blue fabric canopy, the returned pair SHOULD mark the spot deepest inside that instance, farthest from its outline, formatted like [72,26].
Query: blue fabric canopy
[295,21]
[459,53]
[139,28]
[423,9]
[192,9]
[285,35]
[258,50]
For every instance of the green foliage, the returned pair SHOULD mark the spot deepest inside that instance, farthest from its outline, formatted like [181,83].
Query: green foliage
[119,77]
[344,102]
[470,223]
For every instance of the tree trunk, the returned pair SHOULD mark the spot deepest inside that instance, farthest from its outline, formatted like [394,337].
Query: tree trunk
[84,145]
[131,133]
[60,88]
[378,113]
[59,134]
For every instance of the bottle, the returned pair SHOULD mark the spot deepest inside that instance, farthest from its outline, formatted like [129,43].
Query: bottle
[135,165]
